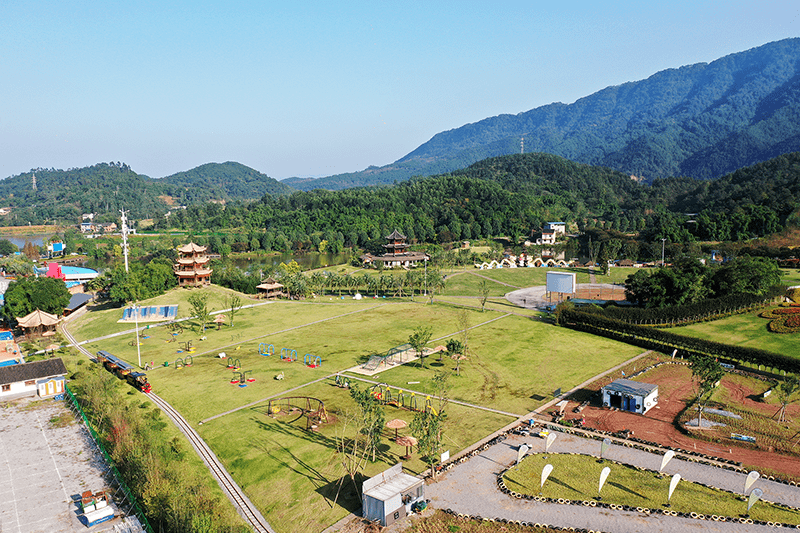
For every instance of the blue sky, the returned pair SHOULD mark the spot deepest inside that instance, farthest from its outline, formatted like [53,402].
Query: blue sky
[319,88]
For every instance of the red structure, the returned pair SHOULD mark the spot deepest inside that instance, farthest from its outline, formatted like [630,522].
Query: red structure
[54,271]
[192,267]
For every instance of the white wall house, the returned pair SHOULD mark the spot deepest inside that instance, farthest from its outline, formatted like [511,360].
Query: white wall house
[629,395]
[39,378]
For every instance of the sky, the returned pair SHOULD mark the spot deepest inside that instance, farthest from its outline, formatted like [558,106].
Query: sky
[312,89]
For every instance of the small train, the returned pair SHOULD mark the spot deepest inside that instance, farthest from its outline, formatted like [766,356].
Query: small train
[124,370]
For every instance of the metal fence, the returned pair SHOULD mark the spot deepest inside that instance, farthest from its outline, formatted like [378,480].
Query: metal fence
[121,492]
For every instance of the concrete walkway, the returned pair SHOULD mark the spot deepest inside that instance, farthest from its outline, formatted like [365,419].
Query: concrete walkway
[471,488]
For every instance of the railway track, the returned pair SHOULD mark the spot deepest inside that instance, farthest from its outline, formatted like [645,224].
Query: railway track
[243,505]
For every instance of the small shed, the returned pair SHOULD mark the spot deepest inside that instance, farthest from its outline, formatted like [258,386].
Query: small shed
[388,497]
[629,395]
[45,378]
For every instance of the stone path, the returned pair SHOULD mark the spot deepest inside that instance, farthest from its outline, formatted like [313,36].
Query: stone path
[471,488]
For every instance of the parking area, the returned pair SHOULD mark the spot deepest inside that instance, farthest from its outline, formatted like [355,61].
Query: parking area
[46,460]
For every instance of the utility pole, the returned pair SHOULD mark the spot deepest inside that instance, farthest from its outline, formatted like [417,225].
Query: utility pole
[135,304]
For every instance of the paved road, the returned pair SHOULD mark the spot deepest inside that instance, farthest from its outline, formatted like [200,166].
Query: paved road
[471,488]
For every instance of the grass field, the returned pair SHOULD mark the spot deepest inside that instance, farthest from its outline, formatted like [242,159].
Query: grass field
[575,477]
[744,330]
[515,361]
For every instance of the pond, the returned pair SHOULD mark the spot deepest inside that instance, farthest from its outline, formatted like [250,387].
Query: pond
[307,261]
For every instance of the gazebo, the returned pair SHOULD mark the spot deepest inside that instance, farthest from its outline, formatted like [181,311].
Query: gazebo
[269,288]
[38,320]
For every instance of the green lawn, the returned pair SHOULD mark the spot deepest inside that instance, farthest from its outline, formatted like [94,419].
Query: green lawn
[744,330]
[515,362]
[576,477]
[292,473]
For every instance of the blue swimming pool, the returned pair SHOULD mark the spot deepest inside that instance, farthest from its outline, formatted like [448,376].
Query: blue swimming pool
[68,270]
[8,363]
[6,336]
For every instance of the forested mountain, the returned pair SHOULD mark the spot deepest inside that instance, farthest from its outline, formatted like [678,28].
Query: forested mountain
[703,120]
[221,182]
[513,196]
[105,188]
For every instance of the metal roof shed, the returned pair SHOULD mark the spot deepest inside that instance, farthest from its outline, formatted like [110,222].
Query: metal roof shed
[388,497]
[629,395]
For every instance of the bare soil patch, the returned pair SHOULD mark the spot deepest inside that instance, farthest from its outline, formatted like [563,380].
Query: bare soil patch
[660,424]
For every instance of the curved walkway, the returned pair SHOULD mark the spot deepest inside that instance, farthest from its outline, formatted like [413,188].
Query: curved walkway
[471,488]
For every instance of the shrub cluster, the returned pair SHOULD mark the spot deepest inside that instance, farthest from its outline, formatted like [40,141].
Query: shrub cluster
[173,495]
[682,315]
[664,341]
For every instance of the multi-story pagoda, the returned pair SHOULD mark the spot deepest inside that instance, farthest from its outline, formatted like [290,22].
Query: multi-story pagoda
[192,267]
[397,244]
[397,254]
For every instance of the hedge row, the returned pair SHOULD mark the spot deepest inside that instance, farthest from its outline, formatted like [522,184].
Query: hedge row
[665,342]
[710,309]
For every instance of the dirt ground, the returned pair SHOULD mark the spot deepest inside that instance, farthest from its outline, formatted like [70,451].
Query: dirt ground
[600,291]
[658,425]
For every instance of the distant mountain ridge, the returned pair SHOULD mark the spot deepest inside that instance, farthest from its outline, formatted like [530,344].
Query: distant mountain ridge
[105,188]
[703,120]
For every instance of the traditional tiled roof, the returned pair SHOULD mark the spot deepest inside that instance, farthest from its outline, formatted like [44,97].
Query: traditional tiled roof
[191,248]
[34,370]
[396,236]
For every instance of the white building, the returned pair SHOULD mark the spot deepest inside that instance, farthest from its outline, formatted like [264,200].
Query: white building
[629,395]
[42,378]
[388,497]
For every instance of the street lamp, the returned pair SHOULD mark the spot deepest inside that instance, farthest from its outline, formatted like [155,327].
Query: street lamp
[664,240]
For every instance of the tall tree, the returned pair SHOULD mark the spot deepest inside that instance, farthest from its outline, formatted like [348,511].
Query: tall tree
[418,340]
[786,390]
[706,373]
[200,310]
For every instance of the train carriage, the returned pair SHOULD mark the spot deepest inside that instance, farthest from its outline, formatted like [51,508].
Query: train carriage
[124,370]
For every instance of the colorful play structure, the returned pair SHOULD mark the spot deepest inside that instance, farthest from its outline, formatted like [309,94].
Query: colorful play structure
[234,364]
[312,361]
[397,397]
[342,381]
[266,349]
[241,378]
[288,354]
[312,409]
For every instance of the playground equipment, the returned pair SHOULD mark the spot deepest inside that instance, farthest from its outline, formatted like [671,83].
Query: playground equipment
[312,361]
[398,397]
[342,381]
[288,355]
[186,361]
[266,349]
[241,378]
[279,377]
[235,364]
[312,409]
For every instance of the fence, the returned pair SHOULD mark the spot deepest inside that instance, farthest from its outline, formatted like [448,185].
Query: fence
[132,507]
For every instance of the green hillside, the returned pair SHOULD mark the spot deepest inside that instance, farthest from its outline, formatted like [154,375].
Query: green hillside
[704,120]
